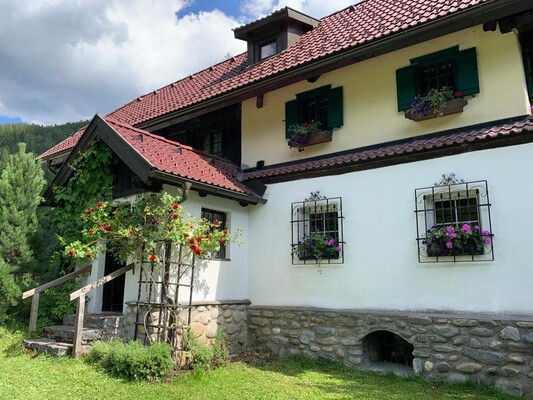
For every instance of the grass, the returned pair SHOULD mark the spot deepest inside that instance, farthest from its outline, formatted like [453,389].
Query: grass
[24,376]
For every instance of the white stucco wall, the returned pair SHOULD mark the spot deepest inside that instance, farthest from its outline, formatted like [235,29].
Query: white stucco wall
[381,269]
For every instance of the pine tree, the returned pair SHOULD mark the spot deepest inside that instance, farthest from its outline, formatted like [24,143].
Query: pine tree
[21,183]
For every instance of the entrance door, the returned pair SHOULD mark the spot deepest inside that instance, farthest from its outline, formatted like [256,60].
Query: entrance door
[113,292]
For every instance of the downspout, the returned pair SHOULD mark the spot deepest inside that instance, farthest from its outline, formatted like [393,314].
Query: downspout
[185,188]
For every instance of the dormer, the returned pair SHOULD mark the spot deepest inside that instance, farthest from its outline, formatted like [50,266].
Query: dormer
[274,33]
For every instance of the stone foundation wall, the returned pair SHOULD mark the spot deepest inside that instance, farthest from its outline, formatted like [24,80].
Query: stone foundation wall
[206,319]
[485,349]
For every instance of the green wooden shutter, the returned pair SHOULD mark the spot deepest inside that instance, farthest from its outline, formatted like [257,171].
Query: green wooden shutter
[291,115]
[467,77]
[335,108]
[405,87]
[528,71]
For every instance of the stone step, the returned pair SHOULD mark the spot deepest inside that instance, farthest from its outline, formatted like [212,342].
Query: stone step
[49,346]
[65,333]
[110,321]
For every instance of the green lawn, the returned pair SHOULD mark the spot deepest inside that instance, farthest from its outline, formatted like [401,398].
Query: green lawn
[42,377]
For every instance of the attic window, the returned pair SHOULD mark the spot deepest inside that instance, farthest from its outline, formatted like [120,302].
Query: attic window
[268,49]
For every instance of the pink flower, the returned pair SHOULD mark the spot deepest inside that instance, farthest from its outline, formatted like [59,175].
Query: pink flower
[487,240]
[331,242]
[477,228]
[451,235]
[449,245]
[466,228]
[486,233]
[450,229]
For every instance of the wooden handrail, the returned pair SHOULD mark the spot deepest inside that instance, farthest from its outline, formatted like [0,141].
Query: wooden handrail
[57,281]
[100,282]
[35,292]
[80,308]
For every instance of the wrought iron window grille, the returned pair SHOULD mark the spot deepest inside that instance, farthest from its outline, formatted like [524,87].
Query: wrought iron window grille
[453,221]
[317,230]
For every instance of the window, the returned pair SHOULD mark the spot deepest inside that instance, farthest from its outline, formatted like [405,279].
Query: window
[452,68]
[268,49]
[453,221]
[212,143]
[220,217]
[324,105]
[317,230]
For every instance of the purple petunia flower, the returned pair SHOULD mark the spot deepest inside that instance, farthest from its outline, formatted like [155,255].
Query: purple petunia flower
[331,242]
[449,245]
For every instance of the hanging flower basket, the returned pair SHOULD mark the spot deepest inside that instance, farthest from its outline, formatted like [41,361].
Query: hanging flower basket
[436,103]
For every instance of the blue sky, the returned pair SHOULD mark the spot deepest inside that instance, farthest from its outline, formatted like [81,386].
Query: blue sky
[80,58]
[228,7]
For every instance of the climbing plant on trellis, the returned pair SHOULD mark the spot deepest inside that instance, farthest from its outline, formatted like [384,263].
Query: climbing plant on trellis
[156,231]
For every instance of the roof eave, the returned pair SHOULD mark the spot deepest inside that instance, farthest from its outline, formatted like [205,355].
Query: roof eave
[242,198]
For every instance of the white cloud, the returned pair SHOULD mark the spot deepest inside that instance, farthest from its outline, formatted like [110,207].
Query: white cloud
[65,60]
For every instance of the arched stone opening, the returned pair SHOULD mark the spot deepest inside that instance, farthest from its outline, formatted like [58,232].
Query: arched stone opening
[387,347]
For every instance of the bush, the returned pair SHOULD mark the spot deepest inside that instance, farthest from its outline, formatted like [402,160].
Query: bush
[204,356]
[132,360]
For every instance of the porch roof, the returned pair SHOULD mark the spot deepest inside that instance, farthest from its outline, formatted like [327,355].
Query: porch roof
[152,157]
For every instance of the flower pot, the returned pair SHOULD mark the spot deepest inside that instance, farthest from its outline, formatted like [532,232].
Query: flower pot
[454,106]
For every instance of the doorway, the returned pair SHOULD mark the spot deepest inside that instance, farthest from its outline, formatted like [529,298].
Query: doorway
[113,291]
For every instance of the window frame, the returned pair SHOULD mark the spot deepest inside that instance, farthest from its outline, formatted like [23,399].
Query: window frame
[265,43]
[452,189]
[303,225]
[335,108]
[464,65]
[222,254]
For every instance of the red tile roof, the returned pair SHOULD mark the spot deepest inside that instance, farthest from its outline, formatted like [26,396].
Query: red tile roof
[358,25]
[417,145]
[368,21]
[163,155]
[64,145]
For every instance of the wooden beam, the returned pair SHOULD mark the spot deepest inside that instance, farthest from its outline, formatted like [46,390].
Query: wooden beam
[100,282]
[33,313]
[56,282]
[78,328]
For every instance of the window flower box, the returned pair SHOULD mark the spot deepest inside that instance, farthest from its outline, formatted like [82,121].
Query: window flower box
[436,103]
[307,134]
[454,106]
[449,240]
